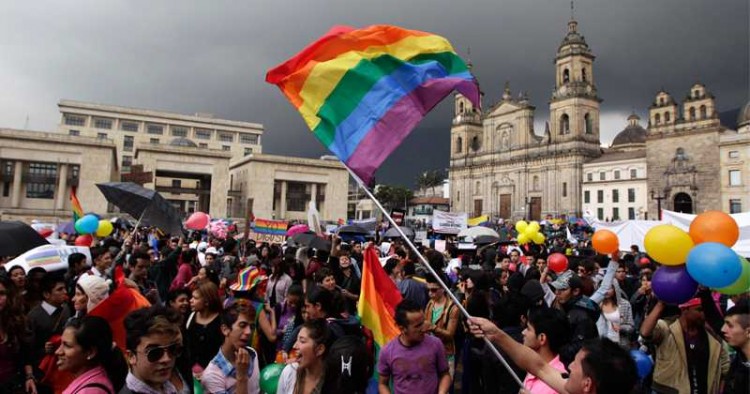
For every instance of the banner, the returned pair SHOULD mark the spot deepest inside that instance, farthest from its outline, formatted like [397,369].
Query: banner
[270,227]
[448,222]
[269,238]
[398,216]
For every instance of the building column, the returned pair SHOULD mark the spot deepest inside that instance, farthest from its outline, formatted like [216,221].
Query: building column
[282,203]
[62,187]
[15,199]
[314,193]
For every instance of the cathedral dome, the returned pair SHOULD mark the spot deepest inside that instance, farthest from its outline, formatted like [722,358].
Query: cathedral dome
[633,133]
[744,116]
[183,142]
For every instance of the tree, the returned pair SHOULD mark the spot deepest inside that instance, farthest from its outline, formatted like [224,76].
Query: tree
[393,196]
[430,179]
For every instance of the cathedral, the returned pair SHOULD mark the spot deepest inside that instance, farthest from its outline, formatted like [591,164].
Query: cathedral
[501,167]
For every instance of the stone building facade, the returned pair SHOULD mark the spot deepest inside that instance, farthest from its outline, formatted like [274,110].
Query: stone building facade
[499,166]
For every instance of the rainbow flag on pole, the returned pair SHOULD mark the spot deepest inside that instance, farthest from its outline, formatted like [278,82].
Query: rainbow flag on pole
[76,205]
[362,91]
[378,299]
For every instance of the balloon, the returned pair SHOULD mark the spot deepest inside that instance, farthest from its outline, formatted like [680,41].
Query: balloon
[742,284]
[84,240]
[538,238]
[87,224]
[714,265]
[668,244]
[643,363]
[269,378]
[530,232]
[521,226]
[105,228]
[535,225]
[557,262]
[605,242]
[673,285]
[523,239]
[197,221]
[714,226]
[644,261]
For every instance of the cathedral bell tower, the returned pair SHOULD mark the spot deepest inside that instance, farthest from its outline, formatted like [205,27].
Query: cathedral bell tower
[466,130]
[574,107]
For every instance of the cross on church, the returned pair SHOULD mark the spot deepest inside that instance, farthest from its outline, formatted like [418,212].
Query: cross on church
[137,175]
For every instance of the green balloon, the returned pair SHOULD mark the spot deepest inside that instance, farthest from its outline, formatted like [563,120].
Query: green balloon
[269,378]
[742,284]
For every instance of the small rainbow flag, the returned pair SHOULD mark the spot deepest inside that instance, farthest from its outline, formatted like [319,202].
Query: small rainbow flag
[76,205]
[272,227]
[362,91]
[43,257]
[378,299]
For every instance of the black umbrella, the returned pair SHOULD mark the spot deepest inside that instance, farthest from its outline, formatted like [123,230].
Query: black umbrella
[352,229]
[393,233]
[311,240]
[486,240]
[17,238]
[145,204]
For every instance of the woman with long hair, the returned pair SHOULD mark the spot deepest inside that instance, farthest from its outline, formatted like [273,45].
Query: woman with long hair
[307,374]
[14,364]
[187,268]
[204,336]
[87,352]
[278,282]
[616,319]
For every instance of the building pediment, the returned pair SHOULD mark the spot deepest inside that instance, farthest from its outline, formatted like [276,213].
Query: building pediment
[505,107]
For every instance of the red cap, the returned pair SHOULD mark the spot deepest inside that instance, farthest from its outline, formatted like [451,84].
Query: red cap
[693,302]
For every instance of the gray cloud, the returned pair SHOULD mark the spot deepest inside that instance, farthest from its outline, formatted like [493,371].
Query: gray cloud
[191,56]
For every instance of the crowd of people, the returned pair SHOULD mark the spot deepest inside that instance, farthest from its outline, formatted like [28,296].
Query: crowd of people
[223,310]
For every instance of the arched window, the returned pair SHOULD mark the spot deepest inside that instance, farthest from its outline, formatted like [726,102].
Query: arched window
[475,143]
[583,75]
[661,101]
[477,187]
[589,124]
[666,117]
[564,124]
[703,112]
[459,145]
[461,107]
[536,182]
[692,113]
[696,93]
[566,76]
[657,119]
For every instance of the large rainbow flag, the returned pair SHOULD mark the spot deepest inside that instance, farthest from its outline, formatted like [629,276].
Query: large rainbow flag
[378,299]
[273,227]
[76,205]
[362,91]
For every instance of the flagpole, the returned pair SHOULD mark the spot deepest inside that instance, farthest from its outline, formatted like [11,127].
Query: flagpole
[427,265]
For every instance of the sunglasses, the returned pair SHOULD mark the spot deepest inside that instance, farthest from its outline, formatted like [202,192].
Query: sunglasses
[155,354]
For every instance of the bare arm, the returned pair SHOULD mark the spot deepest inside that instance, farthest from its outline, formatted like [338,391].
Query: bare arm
[647,327]
[267,322]
[383,382]
[450,330]
[445,383]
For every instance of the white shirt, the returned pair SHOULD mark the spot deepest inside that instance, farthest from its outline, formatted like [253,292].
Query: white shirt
[288,379]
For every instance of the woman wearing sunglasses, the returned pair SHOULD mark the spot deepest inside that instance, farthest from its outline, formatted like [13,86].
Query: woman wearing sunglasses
[88,354]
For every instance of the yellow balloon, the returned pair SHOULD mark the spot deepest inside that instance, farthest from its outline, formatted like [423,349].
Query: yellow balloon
[523,239]
[530,231]
[104,229]
[535,225]
[668,244]
[538,238]
[521,226]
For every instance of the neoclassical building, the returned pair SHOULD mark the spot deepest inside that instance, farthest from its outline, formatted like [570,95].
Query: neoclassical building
[501,167]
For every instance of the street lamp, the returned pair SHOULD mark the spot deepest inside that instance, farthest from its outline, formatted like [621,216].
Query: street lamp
[527,203]
[658,198]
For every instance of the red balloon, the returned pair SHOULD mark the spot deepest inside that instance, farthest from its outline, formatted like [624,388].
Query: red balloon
[197,221]
[645,261]
[557,262]
[84,240]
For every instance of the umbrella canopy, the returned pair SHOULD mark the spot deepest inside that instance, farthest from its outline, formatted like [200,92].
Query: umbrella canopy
[352,229]
[474,232]
[143,203]
[486,240]
[393,233]
[311,240]
[17,237]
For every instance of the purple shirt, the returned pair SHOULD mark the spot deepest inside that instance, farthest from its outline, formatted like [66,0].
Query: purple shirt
[414,369]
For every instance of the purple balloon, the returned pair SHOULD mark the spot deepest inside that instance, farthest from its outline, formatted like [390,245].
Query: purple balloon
[673,285]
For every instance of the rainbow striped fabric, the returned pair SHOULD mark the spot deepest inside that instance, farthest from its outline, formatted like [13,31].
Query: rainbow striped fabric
[378,299]
[362,91]
[272,227]
[76,205]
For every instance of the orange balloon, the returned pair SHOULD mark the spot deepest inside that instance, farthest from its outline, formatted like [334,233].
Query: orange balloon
[714,226]
[605,242]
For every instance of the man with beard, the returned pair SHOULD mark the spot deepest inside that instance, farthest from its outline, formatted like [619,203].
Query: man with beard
[688,358]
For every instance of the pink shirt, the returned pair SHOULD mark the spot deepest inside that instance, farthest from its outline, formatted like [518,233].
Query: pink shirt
[87,379]
[536,386]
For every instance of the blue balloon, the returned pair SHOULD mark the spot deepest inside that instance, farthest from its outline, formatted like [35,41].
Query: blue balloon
[714,265]
[87,224]
[643,363]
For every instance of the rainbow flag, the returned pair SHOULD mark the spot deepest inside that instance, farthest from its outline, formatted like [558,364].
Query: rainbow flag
[272,227]
[77,209]
[362,91]
[378,299]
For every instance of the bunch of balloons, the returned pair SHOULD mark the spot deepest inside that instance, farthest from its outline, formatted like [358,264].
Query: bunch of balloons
[529,232]
[92,224]
[701,256]
[218,228]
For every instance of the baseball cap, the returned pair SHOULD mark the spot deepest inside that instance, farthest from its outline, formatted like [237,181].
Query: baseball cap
[567,280]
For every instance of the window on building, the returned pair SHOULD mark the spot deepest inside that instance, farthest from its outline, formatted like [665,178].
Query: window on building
[203,134]
[75,120]
[633,173]
[458,196]
[617,174]
[203,145]
[602,176]
[734,154]
[735,205]
[564,124]
[248,151]
[735,178]
[704,112]
[589,124]
[226,137]
[477,187]
[8,170]
[179,131]
[583,75]
[226,148]
[565,189]
[615,195]
[249,139]
[101,123]
[297,196]
[155,129]
[566,76]
[75,171]
[586,196]
[127,143]
[41,184]
[590,176]
[127,162]
[691,111]
[129,125]
[177,183]
[74,133]
[101,136]
[615,214]
[600,196]
[475,145]
[600,213]
[154,141]
[631,213]
[631,195]
[667,117]
[459,145]
[657,119]
[6,189]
